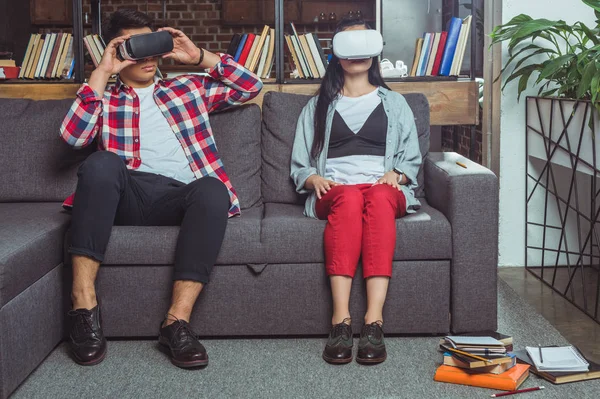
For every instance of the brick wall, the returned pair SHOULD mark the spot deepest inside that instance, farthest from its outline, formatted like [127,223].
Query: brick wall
[458,139]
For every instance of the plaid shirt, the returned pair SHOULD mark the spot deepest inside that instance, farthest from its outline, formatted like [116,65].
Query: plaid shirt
[185,101]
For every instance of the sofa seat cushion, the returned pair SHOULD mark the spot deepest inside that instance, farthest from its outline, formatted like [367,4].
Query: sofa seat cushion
[31,243]
[154,245]
[289,236]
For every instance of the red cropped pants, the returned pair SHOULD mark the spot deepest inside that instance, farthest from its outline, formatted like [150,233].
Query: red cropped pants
[361,219]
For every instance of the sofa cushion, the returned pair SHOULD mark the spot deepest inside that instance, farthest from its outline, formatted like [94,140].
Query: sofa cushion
[289,236]
[31,242]
[152,245]
[36,164]
[237,135]
[280,117]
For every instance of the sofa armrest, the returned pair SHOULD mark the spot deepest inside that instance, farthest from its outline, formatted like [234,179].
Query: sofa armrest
[469,199]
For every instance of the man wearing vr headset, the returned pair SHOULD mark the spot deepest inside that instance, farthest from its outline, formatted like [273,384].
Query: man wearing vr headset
[158,165]
[356,154]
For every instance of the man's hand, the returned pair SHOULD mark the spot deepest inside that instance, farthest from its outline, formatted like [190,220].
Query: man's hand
[110,64]
[391,179]
[184,50]
[320,185]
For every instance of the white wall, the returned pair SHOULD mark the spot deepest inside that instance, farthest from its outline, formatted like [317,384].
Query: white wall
[512,138]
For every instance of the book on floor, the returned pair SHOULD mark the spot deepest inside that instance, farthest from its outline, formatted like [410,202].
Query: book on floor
[508,381]
[505,339]
[557,359]
[495,366]
[560,377]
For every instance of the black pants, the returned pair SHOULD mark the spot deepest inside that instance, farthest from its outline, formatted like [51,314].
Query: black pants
[109,194]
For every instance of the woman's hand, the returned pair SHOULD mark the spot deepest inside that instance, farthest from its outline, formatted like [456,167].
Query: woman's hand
[184,50]
[320,185]
[110,64]
[391,179]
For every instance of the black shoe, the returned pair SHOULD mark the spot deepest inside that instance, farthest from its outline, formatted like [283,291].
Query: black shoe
[338,349]
[87,342]
[371,348]
[184,347]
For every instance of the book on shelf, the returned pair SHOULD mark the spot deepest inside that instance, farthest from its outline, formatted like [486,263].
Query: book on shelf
[320,50]
[307,53]
[238,52]
[560,377]
[433,53]
[415,65]
[56,53]
[425,50]
[233,44]
[27,56]
[247,47]
[260,49]
[316,56]
[461,46]
[252,52]
[440,52]
[454,28]
[270,49]
[63,55]
[295,60]
[42,55]
[508,381]
[302,56]
[35,57]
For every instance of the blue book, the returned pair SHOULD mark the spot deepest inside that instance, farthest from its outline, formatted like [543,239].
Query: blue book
[238,53]
[454,26]
[424,55]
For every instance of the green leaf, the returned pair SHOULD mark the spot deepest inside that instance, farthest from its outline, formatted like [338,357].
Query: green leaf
[528,28]
[586,80]
[595,87]
[523,82]
[588,33]
[595,4]
[528,69]
[554,65]
[547,93]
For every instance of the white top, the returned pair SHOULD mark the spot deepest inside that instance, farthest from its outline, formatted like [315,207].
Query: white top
[160,150]
[356,169]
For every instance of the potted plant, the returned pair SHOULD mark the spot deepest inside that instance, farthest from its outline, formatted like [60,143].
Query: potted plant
[563,60]
[568,56]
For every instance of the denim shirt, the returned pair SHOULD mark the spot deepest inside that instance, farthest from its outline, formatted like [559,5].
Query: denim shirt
[401,152]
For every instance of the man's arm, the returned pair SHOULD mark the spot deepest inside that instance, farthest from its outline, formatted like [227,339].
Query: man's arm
[228,82]
[83,120]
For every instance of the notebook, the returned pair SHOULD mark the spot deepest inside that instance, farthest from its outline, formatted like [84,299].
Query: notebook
[463,340]
[557,359]
[557,377]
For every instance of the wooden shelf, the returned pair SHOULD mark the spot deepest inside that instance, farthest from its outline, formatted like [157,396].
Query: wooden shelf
[451,102]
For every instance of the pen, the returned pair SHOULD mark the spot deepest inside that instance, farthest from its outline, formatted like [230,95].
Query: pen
[541,357]
[497,395]
[483,359]
[461,164]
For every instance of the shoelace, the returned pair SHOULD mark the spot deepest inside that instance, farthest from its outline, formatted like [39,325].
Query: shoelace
[340,329]
[83,319]
[372,328]
[183,332]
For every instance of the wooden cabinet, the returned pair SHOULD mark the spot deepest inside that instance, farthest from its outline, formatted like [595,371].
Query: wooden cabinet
[51,12]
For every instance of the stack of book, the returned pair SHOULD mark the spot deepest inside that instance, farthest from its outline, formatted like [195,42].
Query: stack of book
[481,361]
[559,365]
[307,54]
[95,47]
[254,52]
[443,53]
[48,56]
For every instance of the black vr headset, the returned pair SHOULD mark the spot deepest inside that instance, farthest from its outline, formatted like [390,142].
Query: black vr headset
[146,45]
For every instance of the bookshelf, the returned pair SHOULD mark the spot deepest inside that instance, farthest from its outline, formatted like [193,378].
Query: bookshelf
[453,101]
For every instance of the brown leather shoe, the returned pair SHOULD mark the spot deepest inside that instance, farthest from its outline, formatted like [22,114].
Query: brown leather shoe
[371,348]
[86,340]
[183,345]
[338,349]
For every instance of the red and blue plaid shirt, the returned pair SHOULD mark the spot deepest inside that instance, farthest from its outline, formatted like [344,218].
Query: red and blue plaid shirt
[185,101]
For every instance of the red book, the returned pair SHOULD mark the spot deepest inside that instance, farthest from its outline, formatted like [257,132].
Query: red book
[438,59]
[247,48]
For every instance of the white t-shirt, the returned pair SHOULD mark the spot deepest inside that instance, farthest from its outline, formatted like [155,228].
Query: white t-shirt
[160,150]
[356,169]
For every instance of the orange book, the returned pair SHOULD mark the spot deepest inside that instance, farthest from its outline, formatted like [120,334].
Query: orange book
[508,381]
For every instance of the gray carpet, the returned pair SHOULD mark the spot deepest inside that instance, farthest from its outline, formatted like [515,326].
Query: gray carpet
[289,368]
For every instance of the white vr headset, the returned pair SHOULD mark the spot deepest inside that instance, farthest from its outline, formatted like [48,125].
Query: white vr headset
[357,44]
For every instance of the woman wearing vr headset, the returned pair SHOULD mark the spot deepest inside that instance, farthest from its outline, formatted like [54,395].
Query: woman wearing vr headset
[356,154]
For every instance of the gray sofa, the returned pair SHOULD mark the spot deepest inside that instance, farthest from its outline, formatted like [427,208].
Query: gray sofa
[270,279]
